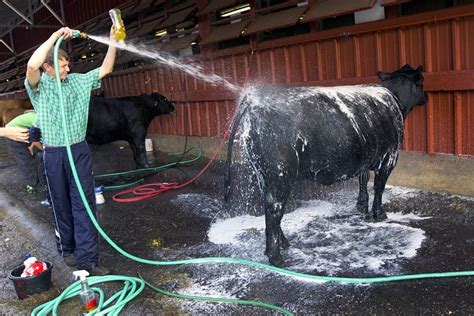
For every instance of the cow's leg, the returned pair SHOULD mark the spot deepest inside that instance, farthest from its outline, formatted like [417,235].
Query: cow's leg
[276,168]
[276,191]
[137,144]
[381,177]
[363,199]
[274,209]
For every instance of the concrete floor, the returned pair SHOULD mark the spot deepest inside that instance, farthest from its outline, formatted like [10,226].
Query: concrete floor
[426,232]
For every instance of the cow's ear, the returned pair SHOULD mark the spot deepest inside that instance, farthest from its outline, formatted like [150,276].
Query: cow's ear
[420,68]
[384,75]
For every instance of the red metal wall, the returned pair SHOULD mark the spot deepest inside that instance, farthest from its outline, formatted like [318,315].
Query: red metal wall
[442,41]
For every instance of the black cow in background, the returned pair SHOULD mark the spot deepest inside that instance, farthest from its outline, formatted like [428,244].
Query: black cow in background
[125,118]
[327,134]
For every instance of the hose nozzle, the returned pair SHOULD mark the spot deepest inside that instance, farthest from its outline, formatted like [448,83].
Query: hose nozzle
[80,35]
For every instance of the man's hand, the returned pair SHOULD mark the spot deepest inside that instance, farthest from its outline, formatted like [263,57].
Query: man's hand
[36,145]
[64,31]
[15,133]
[33,73]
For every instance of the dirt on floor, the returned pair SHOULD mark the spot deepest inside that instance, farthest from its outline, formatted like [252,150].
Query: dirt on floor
[425,232]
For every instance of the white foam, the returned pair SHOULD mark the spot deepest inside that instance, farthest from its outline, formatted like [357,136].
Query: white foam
[327,237]
[405,218]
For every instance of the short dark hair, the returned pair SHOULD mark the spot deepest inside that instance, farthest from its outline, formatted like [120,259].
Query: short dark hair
[50,57]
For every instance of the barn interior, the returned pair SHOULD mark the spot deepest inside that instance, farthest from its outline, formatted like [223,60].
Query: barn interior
[295,43]
[302,43]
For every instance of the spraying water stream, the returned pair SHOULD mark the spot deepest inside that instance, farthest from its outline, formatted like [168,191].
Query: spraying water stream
[155,54]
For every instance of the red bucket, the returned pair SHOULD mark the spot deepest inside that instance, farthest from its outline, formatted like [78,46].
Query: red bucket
[26,286]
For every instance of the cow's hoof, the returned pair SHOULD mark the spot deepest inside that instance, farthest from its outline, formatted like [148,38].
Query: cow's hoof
[368,217]
[364,209]
[378,217]
[276,261]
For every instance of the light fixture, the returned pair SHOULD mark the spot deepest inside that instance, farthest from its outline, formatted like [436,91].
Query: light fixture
[161,33]
[83,56]
[235,10]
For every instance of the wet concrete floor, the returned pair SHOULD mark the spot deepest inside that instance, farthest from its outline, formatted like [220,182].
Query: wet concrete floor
[426,232]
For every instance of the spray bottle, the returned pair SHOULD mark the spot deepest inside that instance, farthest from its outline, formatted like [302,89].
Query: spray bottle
[119,28]
[89,304]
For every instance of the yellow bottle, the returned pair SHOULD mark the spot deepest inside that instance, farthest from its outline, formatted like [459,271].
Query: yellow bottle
[119,28]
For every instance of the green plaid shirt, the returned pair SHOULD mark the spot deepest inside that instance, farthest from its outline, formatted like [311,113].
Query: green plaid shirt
[76,95]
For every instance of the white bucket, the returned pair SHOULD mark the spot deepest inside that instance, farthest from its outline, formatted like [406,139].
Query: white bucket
[99,199]
[148,144]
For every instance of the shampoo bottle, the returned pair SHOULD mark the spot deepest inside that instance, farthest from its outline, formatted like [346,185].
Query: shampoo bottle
[119,28]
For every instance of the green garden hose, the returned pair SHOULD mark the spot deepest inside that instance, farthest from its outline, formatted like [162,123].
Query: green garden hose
[146,171]
[220,259]
[132,287]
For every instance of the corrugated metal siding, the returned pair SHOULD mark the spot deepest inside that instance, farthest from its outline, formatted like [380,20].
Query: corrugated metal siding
[444,46]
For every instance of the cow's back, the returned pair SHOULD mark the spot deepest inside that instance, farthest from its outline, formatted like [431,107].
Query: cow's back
[331,133]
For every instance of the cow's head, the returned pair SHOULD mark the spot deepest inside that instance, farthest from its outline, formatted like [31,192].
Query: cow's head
[407,84]
[159,104]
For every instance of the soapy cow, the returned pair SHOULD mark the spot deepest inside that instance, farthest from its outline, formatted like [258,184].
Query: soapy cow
[125,118]
[327,134]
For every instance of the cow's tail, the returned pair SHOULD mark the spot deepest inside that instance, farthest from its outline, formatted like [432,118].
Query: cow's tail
[243,106]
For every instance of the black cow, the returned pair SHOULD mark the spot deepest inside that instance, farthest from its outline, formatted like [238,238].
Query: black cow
[327,134]
[125,118]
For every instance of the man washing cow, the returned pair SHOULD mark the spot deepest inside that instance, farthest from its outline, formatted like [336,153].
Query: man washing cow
[77,237]
[327,134]
[99,120]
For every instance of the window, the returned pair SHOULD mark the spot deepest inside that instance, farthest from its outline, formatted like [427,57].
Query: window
[419,6]
[340,21]
[268,3]
[243,40]
[284,32]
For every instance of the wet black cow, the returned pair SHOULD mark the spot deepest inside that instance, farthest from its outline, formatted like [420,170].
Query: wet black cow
[125,118]
[328,134]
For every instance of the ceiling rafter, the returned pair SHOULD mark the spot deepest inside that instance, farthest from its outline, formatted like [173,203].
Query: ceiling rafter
[24,12]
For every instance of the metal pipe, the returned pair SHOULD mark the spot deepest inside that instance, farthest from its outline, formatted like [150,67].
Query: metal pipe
[6,45]
[12,43]
[52,12]
[63,15]
[26,26]
[17,12]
